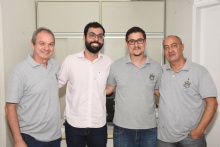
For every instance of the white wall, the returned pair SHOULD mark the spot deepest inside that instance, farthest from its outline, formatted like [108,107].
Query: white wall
[2,90]
[18,23]
[206,36]
[179,22]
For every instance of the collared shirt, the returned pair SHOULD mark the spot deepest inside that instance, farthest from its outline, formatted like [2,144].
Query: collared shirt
[35,89]
[134,100]
[85,91]
[181,103]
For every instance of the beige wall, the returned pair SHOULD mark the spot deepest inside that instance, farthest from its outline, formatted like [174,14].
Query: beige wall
[18,23]
[179,22]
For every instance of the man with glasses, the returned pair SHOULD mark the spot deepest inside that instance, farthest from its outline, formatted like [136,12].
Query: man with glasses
[86,74]
[187,99]
[135,78]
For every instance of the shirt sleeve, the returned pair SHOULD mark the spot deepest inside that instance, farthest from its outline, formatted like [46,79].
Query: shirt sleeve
[63,73]
[15,87]
[111,77]
[207,86]
[158,78]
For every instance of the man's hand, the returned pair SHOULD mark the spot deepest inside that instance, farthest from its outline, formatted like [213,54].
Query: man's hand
[196,133]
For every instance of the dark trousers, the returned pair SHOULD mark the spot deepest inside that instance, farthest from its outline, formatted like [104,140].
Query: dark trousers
[82,137]
[32,142]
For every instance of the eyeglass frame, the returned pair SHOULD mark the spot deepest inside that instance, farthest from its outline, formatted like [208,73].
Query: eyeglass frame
[140,39]
[93,36]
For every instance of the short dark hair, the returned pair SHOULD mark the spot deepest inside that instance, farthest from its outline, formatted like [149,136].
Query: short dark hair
[135,30]
[41,29]
[93,25]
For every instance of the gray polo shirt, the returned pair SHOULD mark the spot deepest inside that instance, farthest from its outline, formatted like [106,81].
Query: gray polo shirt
[181,102]
[135,102]
[35,89]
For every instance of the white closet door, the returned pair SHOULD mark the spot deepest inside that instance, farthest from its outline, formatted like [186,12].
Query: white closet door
[206,52]
[67,20]
[66,16]
[118,17]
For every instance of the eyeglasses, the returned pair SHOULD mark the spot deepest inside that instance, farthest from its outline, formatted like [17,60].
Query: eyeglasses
[139,41]
[93,36]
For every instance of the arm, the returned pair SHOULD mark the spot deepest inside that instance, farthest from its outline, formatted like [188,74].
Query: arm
[63,73]
[156,92]
[208,114]
[109,89]
[12,118]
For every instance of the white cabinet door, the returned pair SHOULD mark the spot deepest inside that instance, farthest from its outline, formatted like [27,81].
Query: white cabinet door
[120,16]
[67,20]
[64,16]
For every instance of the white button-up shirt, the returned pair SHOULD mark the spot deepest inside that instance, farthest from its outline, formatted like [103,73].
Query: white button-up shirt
[85,92]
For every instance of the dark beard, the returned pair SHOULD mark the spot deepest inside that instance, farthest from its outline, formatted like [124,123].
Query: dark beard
[93,49]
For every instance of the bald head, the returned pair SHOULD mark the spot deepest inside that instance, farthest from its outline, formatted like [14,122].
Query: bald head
[173,37]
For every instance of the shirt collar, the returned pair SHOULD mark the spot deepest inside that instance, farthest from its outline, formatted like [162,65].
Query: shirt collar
[33,63]
[128,59]
[186,66]
[81,54]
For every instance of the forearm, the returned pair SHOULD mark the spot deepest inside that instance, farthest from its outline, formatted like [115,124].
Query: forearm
[156,92]
[109,89]
[11,115]
[208,114]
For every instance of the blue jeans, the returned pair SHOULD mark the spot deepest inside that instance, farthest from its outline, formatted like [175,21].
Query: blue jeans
[80,137]
[32,142]
[134,138]
[187,142]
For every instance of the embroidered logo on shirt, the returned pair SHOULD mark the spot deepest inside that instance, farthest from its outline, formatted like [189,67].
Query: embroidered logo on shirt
[187,84]
[151,77]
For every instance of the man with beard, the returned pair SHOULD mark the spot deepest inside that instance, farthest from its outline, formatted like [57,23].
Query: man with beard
[135,77]
[86,74]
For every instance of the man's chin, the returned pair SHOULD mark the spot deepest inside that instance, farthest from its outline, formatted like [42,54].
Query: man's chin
[137,55]
[94,50]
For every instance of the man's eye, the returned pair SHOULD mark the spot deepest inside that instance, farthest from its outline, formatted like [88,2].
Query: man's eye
[165,47]
[92,35]
[174,46]
[51,44]
[42,44]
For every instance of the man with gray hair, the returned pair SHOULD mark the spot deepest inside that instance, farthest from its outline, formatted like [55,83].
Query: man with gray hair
[32,101]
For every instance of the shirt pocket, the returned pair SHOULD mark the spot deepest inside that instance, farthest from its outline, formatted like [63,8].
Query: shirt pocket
[101,77]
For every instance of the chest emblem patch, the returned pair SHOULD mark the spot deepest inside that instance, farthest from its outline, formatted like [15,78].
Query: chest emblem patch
[152,76]
[187,84]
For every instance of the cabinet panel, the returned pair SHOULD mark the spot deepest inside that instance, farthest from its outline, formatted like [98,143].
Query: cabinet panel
[66,16]
[120,16]
[67,20]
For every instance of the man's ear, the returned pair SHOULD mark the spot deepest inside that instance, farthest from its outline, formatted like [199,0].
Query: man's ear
[32,45]
[182,47]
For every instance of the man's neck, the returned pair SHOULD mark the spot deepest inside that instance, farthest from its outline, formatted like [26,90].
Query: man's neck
[40,61]
[177,65]
[138,60]
[90,56]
